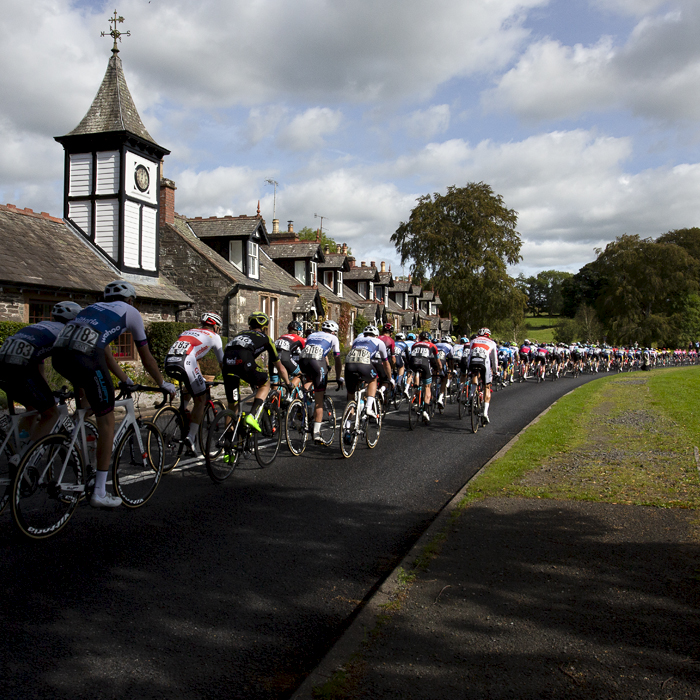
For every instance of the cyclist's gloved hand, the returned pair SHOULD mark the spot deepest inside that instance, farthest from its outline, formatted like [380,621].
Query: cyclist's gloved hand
[170,388]
[123,386]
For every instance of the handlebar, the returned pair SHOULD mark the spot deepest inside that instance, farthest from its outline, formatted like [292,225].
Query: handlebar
[126,390]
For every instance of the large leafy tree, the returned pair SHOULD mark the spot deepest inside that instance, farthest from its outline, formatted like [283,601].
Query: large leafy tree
[464,240]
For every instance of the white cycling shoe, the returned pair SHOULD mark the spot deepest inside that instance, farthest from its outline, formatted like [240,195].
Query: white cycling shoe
[105,501]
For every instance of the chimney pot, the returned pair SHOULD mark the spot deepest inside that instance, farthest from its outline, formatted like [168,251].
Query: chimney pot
[345,248]
[326,249]
[275,226]
[338,248]
[363,264]
[290,227]
[373,264]
[383,266]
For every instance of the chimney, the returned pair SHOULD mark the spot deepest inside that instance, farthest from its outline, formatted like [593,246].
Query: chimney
[363,264]
[338,248]
[345,248]
[318,235]
[373,264]
[382,267]
[351,261]
[326,249]
[167,201]
[409,276]
[290,227]
[275,226]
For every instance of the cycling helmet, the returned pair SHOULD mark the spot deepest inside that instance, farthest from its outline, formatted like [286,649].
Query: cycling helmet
[387,328]
[425,335]
[119,289]
[329,326]
[371,330]
[65,311]
[453,338]
[258,319]
[295,326]
[400,336]
[208,319]
[463,340]
[411,336]
[485,331]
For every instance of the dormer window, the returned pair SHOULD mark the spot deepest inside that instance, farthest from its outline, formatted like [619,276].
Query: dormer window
[328,279]
[253,260]
[371,291]
[340,284]
[235,254]
[362,289]
[380,293]
[300,270]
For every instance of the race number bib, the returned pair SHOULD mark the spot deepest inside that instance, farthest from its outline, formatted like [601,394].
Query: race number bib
[441,355]
[283,344]
[360,356]
[16,352]
[480,353]
[312,352]
[179,348]
[420,352]
[241,341]
[79,338]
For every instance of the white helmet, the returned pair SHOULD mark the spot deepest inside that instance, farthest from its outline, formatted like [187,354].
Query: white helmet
[371,330]
[329,326]
[208,319]
[65,311]
[119,290]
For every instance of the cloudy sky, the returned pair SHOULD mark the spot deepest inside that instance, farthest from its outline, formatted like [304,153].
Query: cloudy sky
[582,114]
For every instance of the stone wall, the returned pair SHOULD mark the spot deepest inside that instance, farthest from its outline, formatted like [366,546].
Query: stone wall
[12,306]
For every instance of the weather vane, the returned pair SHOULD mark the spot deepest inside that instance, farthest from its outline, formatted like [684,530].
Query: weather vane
[115,33]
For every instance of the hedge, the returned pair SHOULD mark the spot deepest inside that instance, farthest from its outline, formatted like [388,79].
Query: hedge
[8,328]
[162,334]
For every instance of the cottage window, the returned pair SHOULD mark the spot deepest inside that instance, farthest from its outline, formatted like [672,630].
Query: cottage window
[235,254]
[269,305]
[40,311]
[253,260]
[339,292]
[362,289]
[380,293]
[300,270]
[123,347]
[328,279]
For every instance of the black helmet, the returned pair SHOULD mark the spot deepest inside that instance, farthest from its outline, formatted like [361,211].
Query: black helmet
[295,326]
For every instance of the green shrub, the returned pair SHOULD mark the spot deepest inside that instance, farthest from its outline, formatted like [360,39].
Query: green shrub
[161,335]
[8,328]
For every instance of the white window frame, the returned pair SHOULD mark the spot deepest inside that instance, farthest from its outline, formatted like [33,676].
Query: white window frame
[253,260]
[236,260]
[362,289]
[339,278]
[314,273]
[300,270]
[379,292]
[371,291]
[326,274]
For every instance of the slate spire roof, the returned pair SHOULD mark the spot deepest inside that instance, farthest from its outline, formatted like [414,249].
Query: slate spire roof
[113,108]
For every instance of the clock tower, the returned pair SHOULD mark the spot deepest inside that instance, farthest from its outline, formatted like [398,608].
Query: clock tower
[112,175]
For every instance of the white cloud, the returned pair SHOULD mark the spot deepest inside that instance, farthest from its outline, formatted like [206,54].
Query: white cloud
[654,75]
[635,8]
[307,131]
[263,122]
[426,123]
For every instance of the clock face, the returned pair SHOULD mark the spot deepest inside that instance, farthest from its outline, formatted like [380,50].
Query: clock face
[141,177]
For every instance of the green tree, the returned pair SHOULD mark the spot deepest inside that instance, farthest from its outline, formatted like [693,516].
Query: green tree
[463,241]
[308,234]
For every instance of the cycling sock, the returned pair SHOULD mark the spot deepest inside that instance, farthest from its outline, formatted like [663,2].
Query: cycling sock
[101,483]
[194,429]
[486,408]
[370,406]
[317,429]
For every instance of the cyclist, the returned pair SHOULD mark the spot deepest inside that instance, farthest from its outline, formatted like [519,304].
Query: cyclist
[289,347]
[240,354]
[410,340]
[483,360]
[444,348]
[22,374]
[313,364]
[82,355]
[401,358]
[181,363]
[526,355]
[387,377]
[423,361]
[360,365]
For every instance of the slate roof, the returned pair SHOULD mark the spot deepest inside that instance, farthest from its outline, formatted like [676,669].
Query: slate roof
[362,273]
[113,108]
[334,261]
[393,308]
[386,278]
[42,251]
[307,301]
[401,286]
[227,226]
[428,296]
[272,277]
[302,249]
[353,298]
[329,294]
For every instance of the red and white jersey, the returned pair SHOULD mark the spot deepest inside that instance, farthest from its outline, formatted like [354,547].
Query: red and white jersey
[198,342]
[483,347]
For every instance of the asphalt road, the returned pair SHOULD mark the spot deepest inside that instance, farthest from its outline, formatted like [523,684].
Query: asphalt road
[236,589]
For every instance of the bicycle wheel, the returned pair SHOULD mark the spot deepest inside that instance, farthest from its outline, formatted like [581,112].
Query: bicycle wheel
[211,410]
[328,424]
[224,445]
[136,472]
[267,443]
[475,412]
[295,427]
[348,437]
[169,421]
[461,408]
[47,487]
[373,427]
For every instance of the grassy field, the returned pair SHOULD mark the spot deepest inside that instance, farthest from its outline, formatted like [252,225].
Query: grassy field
[541,328]
[627,439]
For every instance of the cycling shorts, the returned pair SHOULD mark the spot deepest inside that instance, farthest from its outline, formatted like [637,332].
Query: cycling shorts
[26,386]
[356,373]
[316,371]
[186,369]
[240,365]
[289,363]
[481,368]
[380,371]
[524,357]
[90,373]
[541,359]
[423,366]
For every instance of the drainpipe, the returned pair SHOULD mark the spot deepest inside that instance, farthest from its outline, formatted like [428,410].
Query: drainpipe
[227,313]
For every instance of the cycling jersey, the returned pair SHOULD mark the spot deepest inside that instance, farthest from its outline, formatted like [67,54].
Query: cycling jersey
[312,362]
[390,344]
[423,358]
[483,353]
[401,353]
[360,363]
[181,360]
[444,353]
[289,347]
[239,360]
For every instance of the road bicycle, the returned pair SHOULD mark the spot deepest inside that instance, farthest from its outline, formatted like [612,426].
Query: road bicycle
[231,439]
[174,425]
[476,403]
[58,470]
[356,423]
[416,406]
[300,419]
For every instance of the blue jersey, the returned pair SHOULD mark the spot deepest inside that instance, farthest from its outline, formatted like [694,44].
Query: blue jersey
[96,326]
[401,348]
[30,345]
[320,344]
[367,348]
